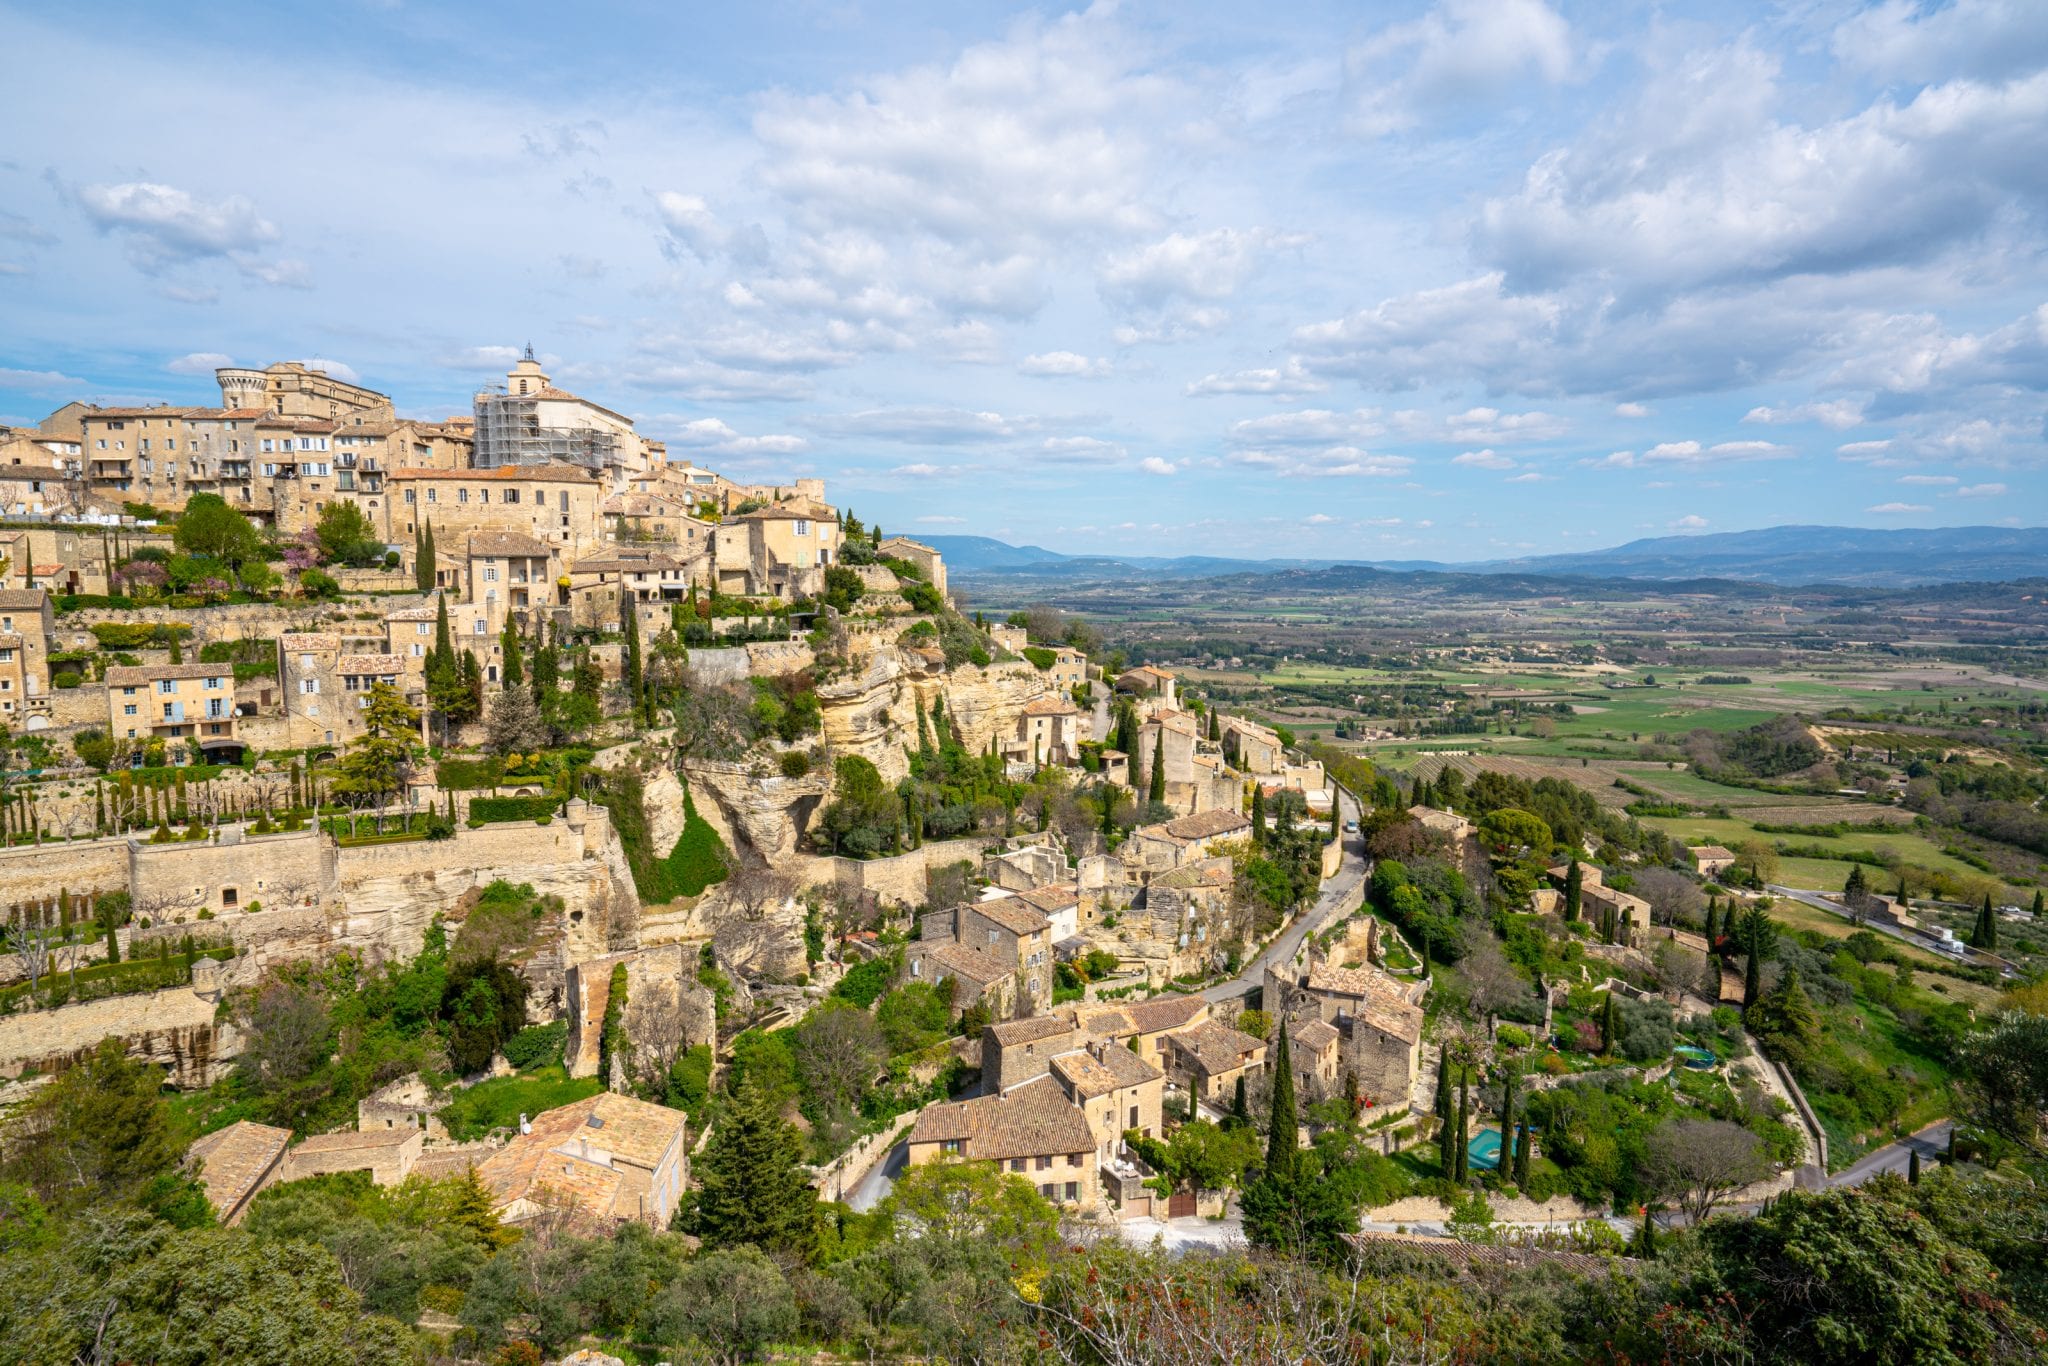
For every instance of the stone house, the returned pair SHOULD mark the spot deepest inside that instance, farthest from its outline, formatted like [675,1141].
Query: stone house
[925,558]
[1015,1051]
[236,1163]
[1376,1015]
[777,552]
[1208,1059]
[509,568]
[1048,733]
[1012,934]
[26,621]
[175,702]
[1711,860]
[1181,738]
[555,504]
[1147,682]
[609,1158]
[1069,668]
[1032,1131]
[1318,1065]
[1596,900]
[1253,748]
[1448,823]
[1154,849]
[1116,1091]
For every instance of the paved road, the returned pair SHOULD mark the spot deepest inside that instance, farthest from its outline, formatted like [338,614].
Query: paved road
[1931,1142]
[1340,891]
[877,1184]
[1816,900]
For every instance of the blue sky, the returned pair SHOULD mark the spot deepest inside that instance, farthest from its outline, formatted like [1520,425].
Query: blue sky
[1452,281]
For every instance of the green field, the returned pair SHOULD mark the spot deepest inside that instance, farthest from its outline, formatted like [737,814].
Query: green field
[1819,874]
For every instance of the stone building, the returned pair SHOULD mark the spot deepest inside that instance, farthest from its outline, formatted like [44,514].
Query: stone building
[608,1159]
[1208,1059]
[510,569]
[1048,733]
[26,621]
[1033,1131]
[387,1155]
[930,561]
[781,551]
[554,504]
[1378,1019]
[1000,950]
[1156,685]
[531,422]
[1153,849]
[235,1164]
[175,702]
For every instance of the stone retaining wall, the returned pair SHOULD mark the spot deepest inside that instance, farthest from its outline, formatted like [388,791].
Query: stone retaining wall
[174,1028]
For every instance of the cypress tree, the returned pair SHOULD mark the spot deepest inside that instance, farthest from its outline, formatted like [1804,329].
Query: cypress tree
[1240,1107]
[1913,1166]
[1336,816]
[755,1189]
[1156,790]
[1258,814]
[1461,1157]
[426,573]
[1610,1024]
[99,807]
[513,673]
[1282,1143]
[1215,727]
[1574,884]
[1985,936]
[1446,1139]
[1707,930]
[1646,1237]
[2038,904]
[1443,1090]
[1522,1155]
[177,649]
[636,677]
[1507,1123]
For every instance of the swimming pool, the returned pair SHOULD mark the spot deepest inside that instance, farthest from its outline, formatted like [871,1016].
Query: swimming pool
[1483,1152]
[1698,1059]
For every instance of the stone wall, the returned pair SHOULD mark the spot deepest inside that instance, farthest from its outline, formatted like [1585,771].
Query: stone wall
[174,1028]
[286,869]
[35,872]
[901,878]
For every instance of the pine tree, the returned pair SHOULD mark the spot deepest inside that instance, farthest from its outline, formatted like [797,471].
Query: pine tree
[1574,890]
[754,1185]
[1156,789]
[513,673]
[471,1207]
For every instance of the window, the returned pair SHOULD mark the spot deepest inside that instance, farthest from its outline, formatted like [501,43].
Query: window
[1134,1118]
[166,685]
[430,496]
[483,495]
[511,495]
[462,495]
[213,684]
[1044,1163]
[1050,1191]
[479,626]
[490,573]
[308,686]
[128,710]
[951,1145]
[1074,1159]
[409,499]
[7,655]
[803,527]
[1016,1164]
[1073,1192]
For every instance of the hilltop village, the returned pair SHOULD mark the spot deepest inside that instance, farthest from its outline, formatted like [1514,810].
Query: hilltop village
[677,762]
[497,832]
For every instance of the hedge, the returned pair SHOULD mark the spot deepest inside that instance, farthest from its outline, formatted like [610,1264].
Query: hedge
[465,775]
[489,810]
[1040,657]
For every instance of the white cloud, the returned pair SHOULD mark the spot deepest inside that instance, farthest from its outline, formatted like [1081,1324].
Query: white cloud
[340,370]
[1863,450]
[1690,522]
[1308,427]
[1485,460]
[1527,477]
[199,363]
[937,426]
[1981,491]
[1460,53]
[1336,462]
[1063,365]
[36,381]
[1837,413]
[1896,509]
[1318,519]
[1152,464]
[495,359]
[714,436]
[940,521]
[165,226]
[1288,381]
[1207,267]
[1631,410]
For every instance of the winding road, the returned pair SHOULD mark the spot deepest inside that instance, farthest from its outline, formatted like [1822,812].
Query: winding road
[1339,892]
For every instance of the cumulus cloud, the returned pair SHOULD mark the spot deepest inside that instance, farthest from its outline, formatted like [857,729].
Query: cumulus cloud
[163,227]
[199,363]
[1336,462]
[340,370]
[1981,491]
[1837,413]
[35,381]
[1631,410]
[1152,464]
[1461,52]
[937,520]
[716,437]
[1080,449]
[1897,509]
[1308,427]
[1690,522]
[1485,460]
[1291,380]
[1180,268]
[1063,365]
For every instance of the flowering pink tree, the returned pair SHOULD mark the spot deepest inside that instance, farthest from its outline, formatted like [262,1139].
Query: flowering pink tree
[140,578]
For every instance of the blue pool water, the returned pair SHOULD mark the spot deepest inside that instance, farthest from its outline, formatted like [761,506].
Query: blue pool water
[1483,1152]
[1698,1059]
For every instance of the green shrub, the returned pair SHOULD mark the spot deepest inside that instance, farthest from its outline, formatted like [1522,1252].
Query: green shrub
[864,985]
[699,858]
[794,763]
[538,1045]
[465,775]
[495,810]
[137,635]
[64,681]
[1040,657]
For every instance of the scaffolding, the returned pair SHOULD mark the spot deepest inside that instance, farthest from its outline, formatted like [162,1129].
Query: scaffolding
[508,432]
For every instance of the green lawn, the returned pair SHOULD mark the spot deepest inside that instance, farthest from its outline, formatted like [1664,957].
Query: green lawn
[498,1103]
[1821,874]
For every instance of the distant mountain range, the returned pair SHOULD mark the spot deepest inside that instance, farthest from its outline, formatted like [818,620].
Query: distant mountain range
[1790,555]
